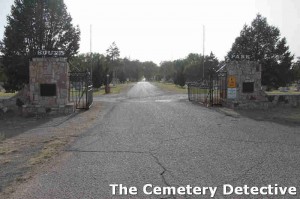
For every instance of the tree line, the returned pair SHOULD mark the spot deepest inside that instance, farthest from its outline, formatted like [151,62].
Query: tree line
[46,25]
[106,67]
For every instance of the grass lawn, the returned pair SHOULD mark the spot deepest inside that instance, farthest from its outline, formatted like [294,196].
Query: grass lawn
[113,89]
[292,91]
[276,92]
[200,91]
[171,87]
[2,94]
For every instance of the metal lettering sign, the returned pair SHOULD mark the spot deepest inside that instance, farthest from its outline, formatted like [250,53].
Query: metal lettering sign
[50,53]
[239,57]
[231,81]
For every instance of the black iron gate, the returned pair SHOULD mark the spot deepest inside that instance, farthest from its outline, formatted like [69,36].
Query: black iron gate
[81,89]
[212,93]
[218,88]
[199,92]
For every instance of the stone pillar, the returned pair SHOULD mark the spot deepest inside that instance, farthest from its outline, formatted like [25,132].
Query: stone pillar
[49,81]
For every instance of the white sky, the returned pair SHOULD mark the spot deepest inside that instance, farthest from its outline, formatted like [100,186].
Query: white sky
[159,30]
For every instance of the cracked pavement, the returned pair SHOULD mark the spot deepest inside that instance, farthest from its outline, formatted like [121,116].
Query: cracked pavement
[149,136]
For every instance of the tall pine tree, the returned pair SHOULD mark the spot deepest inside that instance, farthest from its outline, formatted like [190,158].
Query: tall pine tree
[263,43]
[35,25]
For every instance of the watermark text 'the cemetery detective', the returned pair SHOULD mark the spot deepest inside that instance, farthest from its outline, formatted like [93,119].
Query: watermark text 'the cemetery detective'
[226,189]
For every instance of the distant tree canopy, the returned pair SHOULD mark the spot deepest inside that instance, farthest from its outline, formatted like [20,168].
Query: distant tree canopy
[188,69]
[35,25]
[149,70]
[194,66]
[178,71]
[263,43]
[111,64]
[179,76]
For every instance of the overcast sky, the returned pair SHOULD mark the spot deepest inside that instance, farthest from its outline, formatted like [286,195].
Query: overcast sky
[160,30]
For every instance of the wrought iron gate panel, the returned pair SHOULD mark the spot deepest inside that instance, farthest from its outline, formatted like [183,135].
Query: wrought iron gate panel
[198,92]
[213,92]
[81,89]
[218,86]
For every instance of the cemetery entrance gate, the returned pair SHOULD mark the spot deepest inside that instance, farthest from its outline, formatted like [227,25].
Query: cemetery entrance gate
[81,89]
[212,92]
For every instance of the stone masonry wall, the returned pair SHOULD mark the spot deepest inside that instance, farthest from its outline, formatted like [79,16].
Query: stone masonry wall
[48,71]
[246,71]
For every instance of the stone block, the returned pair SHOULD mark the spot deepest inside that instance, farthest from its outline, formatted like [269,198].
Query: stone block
[63,93]
[41,110]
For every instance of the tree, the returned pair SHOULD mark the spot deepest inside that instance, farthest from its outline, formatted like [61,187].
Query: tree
[2,75]
[180,77]
[193,67]
[263,43]
[35,25]
[296,70]
[167,70]
[150,69]
[113,54]
[131,69]
[210,65]
[96,61]
[81,62]
[98,77]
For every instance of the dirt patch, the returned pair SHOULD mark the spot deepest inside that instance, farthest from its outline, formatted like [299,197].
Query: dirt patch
[21,155]
[51,148]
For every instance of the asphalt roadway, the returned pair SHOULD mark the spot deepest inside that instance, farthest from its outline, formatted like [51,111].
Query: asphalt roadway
[147,136]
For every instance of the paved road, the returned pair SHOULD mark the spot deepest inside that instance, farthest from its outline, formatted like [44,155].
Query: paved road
[149,137]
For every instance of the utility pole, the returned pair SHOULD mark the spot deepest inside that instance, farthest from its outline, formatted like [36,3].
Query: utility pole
[91,52]
[203,51]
